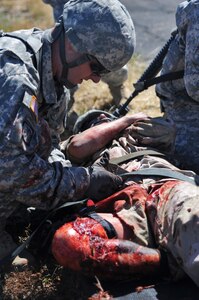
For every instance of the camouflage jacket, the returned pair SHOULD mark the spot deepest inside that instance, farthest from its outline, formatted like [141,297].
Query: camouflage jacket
[183,54]
[33,169]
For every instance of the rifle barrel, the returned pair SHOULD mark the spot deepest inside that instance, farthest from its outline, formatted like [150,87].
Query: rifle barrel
[151,71]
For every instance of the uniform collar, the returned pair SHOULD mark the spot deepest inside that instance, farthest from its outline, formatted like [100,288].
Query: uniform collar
[48,83]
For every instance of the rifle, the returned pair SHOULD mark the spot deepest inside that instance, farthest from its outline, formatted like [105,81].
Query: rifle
[148,77]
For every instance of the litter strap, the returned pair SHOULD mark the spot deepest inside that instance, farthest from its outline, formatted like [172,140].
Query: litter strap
[127,157]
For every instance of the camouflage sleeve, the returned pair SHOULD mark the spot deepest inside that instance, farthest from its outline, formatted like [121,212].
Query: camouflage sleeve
[187,20]
[26,175]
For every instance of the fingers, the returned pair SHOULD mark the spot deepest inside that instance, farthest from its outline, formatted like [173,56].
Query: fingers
[152,132]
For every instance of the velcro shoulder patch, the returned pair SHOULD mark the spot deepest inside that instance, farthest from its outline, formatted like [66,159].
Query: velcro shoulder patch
[31,102]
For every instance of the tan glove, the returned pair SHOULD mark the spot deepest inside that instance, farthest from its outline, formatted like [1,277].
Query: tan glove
[154,132]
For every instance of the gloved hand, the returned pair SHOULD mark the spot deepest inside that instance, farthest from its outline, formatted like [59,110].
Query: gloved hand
[154,132]
[103,160]
[102,183]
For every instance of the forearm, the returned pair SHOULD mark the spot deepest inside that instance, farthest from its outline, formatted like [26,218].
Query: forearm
[121,259]
[93,139]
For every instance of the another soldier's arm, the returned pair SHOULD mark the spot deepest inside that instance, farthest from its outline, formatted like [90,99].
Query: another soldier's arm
[187,19]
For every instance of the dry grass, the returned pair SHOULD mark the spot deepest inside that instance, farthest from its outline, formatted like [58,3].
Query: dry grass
[24,14]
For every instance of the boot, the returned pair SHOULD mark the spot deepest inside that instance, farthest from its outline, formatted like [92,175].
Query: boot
[23,261]
[7,246]
[118,93]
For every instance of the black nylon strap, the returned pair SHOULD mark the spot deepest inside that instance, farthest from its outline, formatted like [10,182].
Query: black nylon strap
[149,74]
[145,84]
[110,230]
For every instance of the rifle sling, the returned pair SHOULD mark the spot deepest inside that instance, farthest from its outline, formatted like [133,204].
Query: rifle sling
[145,84]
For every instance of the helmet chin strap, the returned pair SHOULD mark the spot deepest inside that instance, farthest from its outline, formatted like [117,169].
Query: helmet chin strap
[65,65]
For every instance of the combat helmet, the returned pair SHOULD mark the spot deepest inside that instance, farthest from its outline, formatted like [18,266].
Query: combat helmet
[91,118]
[100,28]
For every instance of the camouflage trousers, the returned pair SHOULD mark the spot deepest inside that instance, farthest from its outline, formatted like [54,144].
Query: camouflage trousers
[170,215]
[176,227]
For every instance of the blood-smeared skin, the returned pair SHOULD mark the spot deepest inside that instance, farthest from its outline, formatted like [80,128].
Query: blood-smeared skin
[83,245]
[86,143]
[71,242]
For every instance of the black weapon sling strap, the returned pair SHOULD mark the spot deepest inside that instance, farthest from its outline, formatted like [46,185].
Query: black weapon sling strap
[149,78]
[145,84]
[11,256]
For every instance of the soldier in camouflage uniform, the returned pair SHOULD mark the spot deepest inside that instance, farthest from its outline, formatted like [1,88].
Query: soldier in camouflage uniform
[153,218]
[115,80]
[180,98]
[37,69]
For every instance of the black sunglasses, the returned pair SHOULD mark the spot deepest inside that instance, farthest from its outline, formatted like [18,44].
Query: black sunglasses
[96,67]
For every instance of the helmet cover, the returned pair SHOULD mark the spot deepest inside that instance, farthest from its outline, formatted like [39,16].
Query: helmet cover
[101,28]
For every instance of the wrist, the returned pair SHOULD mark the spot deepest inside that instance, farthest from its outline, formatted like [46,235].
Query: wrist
[82,180]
